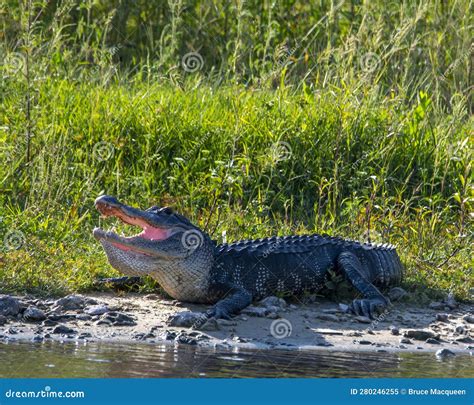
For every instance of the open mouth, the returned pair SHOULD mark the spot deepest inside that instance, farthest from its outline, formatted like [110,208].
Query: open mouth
[109,207]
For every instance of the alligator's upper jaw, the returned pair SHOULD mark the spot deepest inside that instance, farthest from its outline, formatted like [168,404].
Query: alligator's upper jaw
[109,206]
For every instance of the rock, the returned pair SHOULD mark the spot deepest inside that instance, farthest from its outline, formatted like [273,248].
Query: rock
[406,341]
[328,317]
[168,335]
[273,301]
[451,302]
[465,339]
[62,330]
[442,353]
[437,305]
[185,339]
[255,311]
[394,330]
[118,319]
[37,339]
[9,306]
[468,318]
[186,319]
[442,317]
[96,309]
[83,317]
[272,315]
[61,317]
[3,320]
[363,319]
[397,293]
[210,325]
[343,308]
[49,322]
[154,297]
[34,314]
[432,341]
[460,329]
[419,334]
[72,302]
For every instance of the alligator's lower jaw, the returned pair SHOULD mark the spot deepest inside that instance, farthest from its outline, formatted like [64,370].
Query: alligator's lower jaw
[103,236]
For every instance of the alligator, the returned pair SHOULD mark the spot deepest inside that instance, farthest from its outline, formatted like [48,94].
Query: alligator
[191,267]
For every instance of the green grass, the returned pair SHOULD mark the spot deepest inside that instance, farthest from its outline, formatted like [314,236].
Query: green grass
[314,141]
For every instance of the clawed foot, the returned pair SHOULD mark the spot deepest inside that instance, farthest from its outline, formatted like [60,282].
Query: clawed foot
[369,307]
[218,313]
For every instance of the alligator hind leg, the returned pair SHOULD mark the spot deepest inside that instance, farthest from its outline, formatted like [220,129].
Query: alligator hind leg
[373,300]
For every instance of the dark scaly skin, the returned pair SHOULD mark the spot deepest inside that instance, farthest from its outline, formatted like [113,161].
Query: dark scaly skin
[231,276]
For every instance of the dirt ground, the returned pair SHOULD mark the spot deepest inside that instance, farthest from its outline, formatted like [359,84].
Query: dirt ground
[320,325]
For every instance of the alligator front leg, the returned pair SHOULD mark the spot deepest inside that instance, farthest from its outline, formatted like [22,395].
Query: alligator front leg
[374,300]
[234,300]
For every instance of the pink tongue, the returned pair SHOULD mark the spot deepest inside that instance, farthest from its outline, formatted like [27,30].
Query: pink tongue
[154,233]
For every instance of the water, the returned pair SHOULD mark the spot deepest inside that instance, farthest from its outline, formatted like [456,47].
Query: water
[145,360]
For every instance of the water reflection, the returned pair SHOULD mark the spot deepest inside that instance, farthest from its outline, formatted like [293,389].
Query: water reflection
[52,359]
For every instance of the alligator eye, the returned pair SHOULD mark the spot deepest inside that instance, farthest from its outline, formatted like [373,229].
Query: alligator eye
[167,210]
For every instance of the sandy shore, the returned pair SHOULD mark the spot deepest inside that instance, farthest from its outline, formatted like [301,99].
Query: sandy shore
[319,325]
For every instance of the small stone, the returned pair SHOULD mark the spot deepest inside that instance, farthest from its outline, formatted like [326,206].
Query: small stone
[468,318]
[406,341]
[344,308]
[465,339]
[37,338]
[432,341]
[441,317]
[272,315]
[363,319]
[49,322]
[118,319]
[62,330]
[34,314]
[96,309]
[9,306]
[419,334]
[273,301]
[186,319]
[365,342]
[83,317]
[3,320]
[72,302]
[442,353]
[397,293]
[460,329]
[328,317]
[402,346]
[394,330]
[153,297]
[451,302]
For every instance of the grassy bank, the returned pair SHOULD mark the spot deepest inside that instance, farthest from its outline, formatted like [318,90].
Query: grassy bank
[364,132]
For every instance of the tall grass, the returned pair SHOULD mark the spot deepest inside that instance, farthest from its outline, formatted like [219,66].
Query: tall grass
[347,118]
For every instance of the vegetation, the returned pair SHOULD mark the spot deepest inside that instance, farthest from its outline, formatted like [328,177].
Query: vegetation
[252,118]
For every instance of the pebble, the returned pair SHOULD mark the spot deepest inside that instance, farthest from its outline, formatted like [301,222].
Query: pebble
[406,341]
[437,305]
[72,302]
[363,319]
[96,309]
[9,306]
[118,319]
[468,318]
[444,353]
[34,314]
[328,317]
[441,317]
[185,319]
[62,329]
[432,341]
[394,330]
[273,301]
[419,334]
[460,329]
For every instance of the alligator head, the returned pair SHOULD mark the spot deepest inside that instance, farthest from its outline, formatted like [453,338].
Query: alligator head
[170,248]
